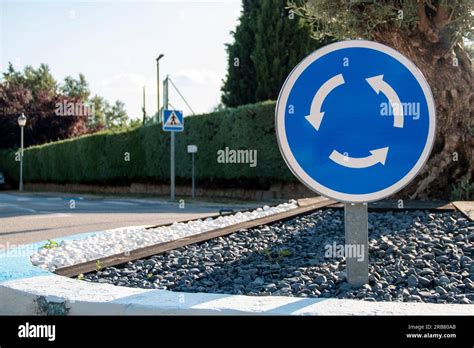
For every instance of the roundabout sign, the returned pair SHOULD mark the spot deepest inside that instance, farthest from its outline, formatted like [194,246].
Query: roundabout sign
[355,121]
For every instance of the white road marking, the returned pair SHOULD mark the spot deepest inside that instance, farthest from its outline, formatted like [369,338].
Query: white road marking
[119,203]
[48,215]
[16,206]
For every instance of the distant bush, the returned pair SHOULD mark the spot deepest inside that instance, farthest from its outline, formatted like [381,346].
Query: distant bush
[101,157]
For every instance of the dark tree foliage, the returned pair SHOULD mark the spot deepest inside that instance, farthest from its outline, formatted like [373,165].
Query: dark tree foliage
[47,106]
[268,42]
[34,92]
[241,82]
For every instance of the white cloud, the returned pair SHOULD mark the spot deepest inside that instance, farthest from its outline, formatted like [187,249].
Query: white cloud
[190,77]
[127,82]
[200,87]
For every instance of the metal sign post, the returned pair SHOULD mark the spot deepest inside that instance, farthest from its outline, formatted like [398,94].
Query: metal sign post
[192,149]
[356,235]
[193,183]
[172,174]
[355,122]
[173,121]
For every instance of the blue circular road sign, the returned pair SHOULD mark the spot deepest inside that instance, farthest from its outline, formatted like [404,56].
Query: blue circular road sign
[355,121]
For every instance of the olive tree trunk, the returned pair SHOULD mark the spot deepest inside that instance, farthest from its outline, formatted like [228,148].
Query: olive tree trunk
[449,73]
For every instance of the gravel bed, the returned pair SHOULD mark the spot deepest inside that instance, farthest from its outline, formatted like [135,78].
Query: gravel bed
[414,257]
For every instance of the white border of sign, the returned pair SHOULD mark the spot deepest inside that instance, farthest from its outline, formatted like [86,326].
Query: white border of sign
[283,141]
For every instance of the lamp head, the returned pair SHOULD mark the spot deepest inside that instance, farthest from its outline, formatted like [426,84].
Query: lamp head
[22,120]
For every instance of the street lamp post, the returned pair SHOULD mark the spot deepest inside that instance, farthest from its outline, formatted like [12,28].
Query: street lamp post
[21,123]
[158,85]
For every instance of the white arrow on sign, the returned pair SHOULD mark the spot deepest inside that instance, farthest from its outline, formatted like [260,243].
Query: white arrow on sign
[377,156]
[316,115]
[378,84]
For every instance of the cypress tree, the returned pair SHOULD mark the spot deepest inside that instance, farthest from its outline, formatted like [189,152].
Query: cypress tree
[269,41]
[240,84]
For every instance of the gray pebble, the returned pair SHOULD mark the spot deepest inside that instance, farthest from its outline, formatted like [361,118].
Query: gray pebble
[412,281]
[440,290]
[414,256]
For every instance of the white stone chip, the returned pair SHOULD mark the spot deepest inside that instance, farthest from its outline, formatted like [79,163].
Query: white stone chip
[121,240]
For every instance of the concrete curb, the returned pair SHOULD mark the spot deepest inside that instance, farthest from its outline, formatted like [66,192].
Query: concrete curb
[68,296]
[29,290]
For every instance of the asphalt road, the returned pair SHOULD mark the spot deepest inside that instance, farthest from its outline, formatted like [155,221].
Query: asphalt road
[26,218]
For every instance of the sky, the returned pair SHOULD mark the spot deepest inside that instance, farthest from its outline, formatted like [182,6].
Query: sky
[115,44]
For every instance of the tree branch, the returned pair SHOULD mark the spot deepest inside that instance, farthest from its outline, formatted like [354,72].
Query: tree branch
[424,23]
[442,16]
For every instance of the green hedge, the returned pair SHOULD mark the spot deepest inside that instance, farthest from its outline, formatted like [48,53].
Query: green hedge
[99,158]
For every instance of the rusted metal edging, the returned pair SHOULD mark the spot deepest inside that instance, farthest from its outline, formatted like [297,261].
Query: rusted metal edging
[406,206]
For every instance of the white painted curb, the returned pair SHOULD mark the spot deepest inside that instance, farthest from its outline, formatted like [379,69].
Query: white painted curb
[85,298]
[27,290]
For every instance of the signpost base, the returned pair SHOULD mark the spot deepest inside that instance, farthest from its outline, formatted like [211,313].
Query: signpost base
[356,220]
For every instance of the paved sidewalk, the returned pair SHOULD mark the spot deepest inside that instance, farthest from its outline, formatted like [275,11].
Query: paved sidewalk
[26,218]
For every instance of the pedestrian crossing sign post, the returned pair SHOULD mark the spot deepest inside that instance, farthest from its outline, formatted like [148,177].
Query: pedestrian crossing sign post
[173,121]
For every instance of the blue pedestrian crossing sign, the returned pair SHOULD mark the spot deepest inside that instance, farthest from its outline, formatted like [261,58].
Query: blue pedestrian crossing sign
[173,121]
[355,121]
